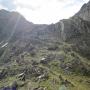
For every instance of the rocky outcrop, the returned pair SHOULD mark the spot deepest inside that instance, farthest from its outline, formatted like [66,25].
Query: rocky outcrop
[76,30]
[84,12]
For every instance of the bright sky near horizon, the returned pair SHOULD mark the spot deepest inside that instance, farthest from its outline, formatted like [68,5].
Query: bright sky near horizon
[43,11]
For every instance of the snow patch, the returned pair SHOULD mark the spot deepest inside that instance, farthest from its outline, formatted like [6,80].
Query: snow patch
[4,45]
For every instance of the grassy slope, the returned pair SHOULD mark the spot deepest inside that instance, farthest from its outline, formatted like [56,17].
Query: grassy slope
[78,80]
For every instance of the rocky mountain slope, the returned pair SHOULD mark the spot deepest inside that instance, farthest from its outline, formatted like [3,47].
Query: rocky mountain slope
[45,57]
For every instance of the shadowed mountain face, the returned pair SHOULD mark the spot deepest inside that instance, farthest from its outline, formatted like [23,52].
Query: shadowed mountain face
[12,24]
[15,30]
[75,30]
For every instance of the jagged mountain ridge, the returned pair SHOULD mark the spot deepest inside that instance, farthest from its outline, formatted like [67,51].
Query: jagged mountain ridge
[76,30]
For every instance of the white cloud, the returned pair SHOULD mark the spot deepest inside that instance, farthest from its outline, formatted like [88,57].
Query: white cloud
[47,11]
[2,7]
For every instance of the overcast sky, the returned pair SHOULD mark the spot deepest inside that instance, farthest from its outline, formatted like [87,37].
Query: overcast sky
[43,11]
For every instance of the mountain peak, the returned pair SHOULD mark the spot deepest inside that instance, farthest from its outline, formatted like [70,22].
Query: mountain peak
[5,13]
[84,12]
[3,10]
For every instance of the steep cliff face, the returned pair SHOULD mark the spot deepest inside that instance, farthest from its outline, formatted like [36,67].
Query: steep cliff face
[84,12]
[75,30]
